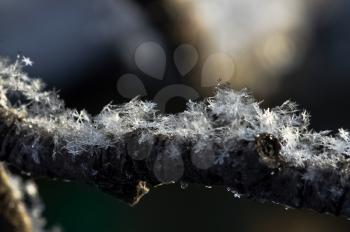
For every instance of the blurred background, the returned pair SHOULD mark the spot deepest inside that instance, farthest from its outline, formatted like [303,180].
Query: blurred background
[97,52]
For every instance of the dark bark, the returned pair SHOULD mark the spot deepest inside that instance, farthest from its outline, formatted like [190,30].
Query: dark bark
[253,168]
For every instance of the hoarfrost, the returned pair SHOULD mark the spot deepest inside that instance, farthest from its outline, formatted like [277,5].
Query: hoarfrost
[228,116]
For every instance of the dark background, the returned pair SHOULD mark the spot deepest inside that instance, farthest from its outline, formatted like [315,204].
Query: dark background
[82,47]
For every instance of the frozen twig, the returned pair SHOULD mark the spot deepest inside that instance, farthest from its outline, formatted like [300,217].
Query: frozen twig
[264,154]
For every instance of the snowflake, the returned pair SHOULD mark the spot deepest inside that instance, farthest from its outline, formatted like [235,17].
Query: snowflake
[27,61]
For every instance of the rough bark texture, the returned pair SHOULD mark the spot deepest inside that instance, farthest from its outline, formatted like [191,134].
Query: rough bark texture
[253,169]
[13,216]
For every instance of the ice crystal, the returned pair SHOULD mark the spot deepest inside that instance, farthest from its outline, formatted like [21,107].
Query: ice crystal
[27,61]
[234,192]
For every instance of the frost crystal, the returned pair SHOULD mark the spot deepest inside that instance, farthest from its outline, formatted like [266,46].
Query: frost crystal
[226,118]
[27,61]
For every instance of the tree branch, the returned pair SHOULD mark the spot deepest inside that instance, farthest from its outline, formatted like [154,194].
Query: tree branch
[13,215]
[226,140]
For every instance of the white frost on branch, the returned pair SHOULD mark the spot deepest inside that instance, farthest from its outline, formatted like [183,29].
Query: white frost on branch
[228,116]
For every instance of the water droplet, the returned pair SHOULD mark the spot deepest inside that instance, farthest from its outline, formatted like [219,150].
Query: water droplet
[217,67]
[203,157]
[169,92]
[169,165]
[208,187]
[130,86]
[185,57]
[151,59]
[140,150]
